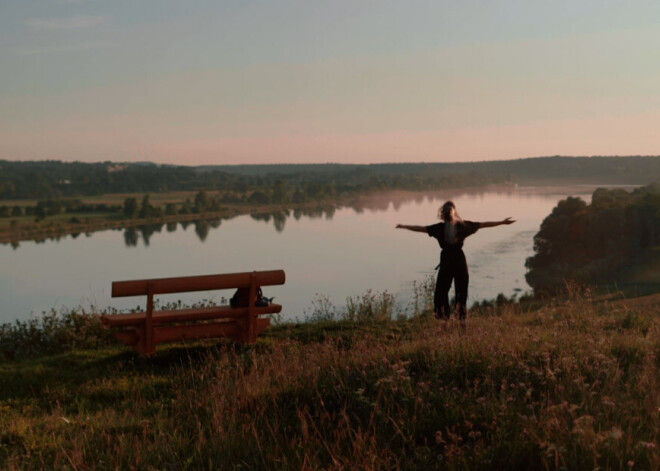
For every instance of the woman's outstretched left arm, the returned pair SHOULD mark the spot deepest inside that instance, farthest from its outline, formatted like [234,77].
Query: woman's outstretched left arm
[496,223]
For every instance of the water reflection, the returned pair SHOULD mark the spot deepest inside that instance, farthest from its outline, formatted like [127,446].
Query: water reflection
[279,220]
[371,203]
[148,230]
[132,235]
[261,217]
[202,229]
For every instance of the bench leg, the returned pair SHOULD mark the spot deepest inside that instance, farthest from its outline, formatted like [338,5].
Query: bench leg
[259,325]
[149,345]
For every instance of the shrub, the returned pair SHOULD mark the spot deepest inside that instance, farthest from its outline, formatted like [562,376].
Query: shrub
[53,332]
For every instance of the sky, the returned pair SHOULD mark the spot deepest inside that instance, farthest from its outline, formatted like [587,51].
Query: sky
[200,82]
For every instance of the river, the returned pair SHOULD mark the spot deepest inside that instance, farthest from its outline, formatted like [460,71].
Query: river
[327,254]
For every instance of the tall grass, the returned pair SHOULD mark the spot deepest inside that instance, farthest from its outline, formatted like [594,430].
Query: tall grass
[572,385]
[52,332]
[373,306]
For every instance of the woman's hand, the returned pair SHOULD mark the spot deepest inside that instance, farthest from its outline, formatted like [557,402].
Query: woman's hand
[508,221]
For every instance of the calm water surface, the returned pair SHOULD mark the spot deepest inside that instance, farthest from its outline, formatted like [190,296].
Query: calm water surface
[327,254]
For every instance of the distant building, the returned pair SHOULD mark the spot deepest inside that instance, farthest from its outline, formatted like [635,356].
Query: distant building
[116,167]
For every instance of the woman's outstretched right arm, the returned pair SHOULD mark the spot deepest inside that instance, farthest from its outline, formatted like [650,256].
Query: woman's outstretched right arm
[496,223]
[412,228]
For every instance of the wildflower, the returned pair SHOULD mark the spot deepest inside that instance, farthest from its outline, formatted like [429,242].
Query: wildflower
[631,463]
[616,433]
[607,401]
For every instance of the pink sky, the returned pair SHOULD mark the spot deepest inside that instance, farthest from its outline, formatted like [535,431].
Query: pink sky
[624,135]
[605,136]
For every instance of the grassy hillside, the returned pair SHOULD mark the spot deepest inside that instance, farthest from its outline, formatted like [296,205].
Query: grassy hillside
[571,385]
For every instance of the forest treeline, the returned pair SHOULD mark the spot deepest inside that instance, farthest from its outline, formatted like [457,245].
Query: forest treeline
[55,179]
[614,239]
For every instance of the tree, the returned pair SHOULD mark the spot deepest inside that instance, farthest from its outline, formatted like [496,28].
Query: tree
[170,209]
[258,197]
[146,209]
[201,202]
[130,209]
[597,243]
[299,197]
[40,212]
[280,192]
[185,207]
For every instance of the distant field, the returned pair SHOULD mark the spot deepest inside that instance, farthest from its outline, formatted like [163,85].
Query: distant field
[59,218]
[118,198]
[155,199]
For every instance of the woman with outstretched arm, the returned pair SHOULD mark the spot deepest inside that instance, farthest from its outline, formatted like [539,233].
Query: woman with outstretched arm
[451,233]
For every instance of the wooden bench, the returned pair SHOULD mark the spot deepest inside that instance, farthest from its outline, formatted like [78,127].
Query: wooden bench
[144,330]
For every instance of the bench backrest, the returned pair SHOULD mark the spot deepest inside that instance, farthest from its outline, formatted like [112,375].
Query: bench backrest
[196,283]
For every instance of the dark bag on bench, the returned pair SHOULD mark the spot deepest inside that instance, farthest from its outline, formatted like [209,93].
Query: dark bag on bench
[241,298]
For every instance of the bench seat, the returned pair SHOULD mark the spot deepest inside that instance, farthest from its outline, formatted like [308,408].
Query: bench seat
[185,315]
[134,335]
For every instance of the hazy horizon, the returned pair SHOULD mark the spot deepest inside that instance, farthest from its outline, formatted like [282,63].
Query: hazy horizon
[276,163]
[229,82]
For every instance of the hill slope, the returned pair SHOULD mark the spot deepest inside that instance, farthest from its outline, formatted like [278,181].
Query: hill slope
[573,385]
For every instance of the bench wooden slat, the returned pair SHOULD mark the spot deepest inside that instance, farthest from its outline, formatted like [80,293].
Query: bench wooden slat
[197,283]
[171,333]
[185,315]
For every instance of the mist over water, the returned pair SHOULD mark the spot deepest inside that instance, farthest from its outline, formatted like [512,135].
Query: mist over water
[329,253]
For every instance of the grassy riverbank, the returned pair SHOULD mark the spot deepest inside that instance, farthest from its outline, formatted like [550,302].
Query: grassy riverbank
[569,385]
[16,229]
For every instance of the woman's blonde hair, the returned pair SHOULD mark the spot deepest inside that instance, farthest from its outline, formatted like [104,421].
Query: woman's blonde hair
[447,212]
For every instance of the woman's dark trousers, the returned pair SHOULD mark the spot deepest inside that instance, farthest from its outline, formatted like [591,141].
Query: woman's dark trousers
[453,266]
